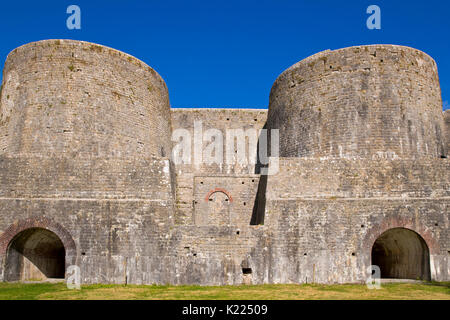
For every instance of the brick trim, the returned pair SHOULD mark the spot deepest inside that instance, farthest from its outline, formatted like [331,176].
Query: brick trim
[392,223]
[218,190]
[38,222]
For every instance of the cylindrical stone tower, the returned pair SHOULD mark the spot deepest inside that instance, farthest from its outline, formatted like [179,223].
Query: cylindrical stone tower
[85,141]
[378,101]
[84,120]
[64,97]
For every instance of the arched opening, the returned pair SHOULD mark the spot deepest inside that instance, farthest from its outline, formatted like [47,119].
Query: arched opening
[35,254]
[402,254]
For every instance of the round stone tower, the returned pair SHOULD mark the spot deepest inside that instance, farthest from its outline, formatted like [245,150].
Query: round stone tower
[85,141]
[378,101]
[65,97]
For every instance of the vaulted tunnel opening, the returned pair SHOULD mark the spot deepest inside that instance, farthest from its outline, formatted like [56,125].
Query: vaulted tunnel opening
[35,254]
[402,254]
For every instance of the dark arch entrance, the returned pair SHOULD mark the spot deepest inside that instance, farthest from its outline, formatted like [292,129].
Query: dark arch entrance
[35,254]
[402,254]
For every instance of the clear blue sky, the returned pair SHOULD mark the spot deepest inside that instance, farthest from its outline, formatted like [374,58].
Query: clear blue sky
[228,53]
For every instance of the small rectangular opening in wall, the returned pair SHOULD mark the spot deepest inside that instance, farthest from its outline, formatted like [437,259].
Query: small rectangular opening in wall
[246,270]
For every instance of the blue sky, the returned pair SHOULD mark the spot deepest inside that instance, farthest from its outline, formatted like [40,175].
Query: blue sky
[228,53]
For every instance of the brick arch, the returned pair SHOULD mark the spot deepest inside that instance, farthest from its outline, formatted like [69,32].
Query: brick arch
[208,195]
[393,223]
[39,222]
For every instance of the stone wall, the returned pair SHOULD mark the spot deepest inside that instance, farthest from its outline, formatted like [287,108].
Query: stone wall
[330,240]
[195,182]
[116,241]
[344,178]
[95,178]
[323,224]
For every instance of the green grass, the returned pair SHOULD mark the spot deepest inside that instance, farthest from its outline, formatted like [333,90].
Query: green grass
[391,291]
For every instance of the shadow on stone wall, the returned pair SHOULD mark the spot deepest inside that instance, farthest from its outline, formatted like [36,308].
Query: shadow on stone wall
[259,206]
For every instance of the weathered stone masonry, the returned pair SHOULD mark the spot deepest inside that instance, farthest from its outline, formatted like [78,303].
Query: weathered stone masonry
[86,176]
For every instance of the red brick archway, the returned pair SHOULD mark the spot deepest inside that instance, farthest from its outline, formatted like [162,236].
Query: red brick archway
[39,222]
[218,190]
[397,222]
